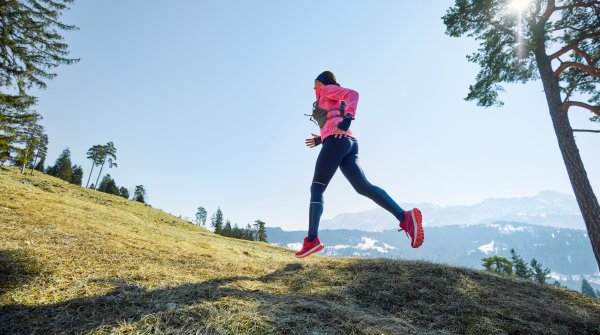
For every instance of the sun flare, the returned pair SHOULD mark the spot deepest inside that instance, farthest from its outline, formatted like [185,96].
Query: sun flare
[518,5]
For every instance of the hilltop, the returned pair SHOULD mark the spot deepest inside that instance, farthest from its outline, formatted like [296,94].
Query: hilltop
[74,260]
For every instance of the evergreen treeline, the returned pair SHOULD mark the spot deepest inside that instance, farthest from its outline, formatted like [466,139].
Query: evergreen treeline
[533,271]
[256,232]
[64,169]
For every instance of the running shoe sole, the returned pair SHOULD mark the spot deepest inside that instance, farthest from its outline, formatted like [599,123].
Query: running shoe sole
[417,227]
[314,249]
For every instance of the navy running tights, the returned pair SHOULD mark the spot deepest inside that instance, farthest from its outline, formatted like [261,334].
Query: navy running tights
[343,152]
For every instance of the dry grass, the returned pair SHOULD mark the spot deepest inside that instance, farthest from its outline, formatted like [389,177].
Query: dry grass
[79,261]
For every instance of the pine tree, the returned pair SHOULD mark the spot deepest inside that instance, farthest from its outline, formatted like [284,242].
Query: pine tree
[213,220]
[556,41]
[498,264]
[237,232]
[261,231]
[106,153]
[94,153]
[139,194]
[19,128]
[217,221]
[41,150]
[29,136]
[227,229]
[5,145]
[124,192]
[39,166]
[248,233]
[7,137]
[62,168]
[587,289]
[520,267]
[77,176]
[201,216]
[108,185]
[31,46]
[539,274]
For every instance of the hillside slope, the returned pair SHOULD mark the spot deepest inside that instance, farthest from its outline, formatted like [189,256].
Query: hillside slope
[74,260]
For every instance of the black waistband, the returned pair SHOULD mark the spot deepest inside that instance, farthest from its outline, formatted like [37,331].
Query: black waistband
[340,138]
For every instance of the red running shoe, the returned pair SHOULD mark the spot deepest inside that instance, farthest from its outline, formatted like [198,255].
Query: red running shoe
[413,227]
[309,248]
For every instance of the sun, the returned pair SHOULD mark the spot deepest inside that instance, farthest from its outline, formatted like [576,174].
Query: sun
[518,5]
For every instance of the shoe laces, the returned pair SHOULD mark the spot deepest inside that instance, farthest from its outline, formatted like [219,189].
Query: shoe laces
[406,232]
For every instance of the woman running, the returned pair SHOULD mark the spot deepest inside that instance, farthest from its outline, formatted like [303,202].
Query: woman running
[334,109]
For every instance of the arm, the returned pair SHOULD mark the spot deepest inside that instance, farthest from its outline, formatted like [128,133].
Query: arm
[332,92]
[343,94]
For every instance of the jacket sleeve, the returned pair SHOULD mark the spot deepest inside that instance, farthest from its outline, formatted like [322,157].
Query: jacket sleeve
[340,93]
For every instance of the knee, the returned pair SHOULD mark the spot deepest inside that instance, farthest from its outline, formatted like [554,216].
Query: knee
[364,188]
[317,189]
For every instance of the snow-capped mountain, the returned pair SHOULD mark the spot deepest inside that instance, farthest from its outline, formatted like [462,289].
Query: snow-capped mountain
[546,208]
[567,252]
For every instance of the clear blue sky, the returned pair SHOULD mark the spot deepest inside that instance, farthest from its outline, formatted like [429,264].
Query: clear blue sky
[204,101]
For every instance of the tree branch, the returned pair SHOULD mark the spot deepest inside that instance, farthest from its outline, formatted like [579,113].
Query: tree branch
[587,57]
[586,131]
[591,70]
[568,104]
[573,45]
[578,4]
[549,10]
[578,83]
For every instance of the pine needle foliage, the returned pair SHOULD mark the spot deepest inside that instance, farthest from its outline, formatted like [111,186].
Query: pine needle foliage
[31,46]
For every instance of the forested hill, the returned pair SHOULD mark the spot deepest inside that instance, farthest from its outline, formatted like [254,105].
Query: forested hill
[74,260]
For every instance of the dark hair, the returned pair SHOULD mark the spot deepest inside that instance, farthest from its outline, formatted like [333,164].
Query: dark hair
[327,78]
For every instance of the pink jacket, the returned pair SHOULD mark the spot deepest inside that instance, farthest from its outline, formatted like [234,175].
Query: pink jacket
[330,97]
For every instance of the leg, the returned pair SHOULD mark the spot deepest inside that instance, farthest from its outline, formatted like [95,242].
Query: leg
[352,171]
[329,159]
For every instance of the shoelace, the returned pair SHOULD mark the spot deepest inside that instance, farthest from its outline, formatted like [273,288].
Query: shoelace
[407,235]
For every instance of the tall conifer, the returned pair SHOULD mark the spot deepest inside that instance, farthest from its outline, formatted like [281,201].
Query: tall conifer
[139,194]
[587,289]
[62,168]
[31,46]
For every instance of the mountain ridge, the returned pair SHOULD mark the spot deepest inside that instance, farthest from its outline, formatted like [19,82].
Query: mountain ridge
[548,208]
[567,252]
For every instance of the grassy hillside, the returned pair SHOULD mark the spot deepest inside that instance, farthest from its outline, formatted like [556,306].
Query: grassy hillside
[74,260]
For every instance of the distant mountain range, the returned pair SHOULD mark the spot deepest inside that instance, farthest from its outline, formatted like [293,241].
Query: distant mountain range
[567,252]
[547,208]
[547,226]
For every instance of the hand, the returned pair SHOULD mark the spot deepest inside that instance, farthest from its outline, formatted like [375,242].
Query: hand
[337,133]
[312,142]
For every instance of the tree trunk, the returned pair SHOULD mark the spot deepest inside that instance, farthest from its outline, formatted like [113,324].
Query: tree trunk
[33,164]
[90,176]
[588,203]
[101,167]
